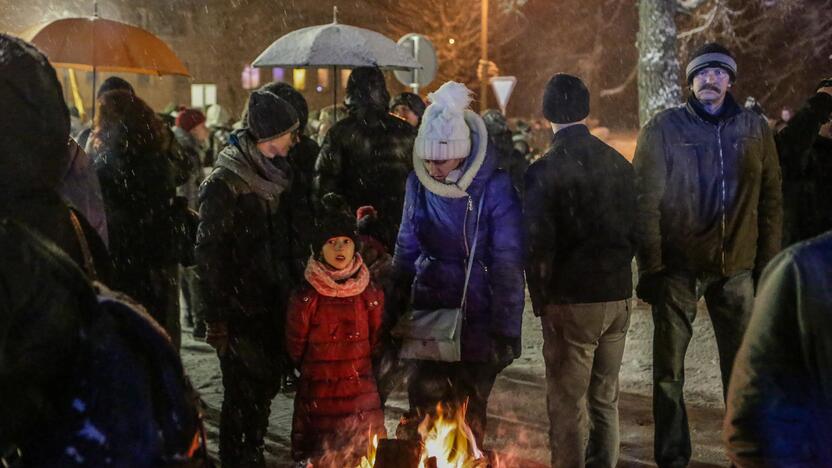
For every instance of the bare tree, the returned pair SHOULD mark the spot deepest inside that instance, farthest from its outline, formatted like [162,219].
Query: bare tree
[454,26]
[782,37]
[658,64]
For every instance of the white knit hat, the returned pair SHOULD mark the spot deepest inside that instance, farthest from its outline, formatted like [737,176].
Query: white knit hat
[443,134]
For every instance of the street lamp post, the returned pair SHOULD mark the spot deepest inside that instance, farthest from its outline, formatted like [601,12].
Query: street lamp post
[484,58]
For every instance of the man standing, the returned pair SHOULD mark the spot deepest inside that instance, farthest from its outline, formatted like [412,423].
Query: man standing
[579,214]
[243,278]
[709,218]
[367,156]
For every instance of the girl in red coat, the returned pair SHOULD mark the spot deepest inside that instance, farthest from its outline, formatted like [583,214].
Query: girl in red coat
[332,329]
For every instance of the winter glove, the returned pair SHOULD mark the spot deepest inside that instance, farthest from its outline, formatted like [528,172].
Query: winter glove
[216,335]
[650,287]
[504,349]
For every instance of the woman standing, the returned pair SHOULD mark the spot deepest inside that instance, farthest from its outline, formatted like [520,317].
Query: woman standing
[137,182]
[454,168]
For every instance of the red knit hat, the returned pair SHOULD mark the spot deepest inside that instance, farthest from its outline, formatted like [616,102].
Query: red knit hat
[188,119]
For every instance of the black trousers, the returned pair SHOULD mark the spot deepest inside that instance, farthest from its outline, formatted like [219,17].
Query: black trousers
[729,301]
[244,418]
[431,382]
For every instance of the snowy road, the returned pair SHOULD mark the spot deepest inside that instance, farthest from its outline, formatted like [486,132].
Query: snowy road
[517,409]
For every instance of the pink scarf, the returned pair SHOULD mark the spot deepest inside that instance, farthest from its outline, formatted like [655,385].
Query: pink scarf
[351,281]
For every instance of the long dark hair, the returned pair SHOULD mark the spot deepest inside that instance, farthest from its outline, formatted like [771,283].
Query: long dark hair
[125,123]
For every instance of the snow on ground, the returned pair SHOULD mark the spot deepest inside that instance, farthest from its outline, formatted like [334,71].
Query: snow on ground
[518,422]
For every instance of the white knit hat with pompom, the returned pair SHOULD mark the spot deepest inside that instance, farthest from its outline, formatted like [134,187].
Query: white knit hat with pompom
[443,134]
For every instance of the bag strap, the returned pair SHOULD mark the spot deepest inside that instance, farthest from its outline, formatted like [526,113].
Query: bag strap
[89,265]
[471,255]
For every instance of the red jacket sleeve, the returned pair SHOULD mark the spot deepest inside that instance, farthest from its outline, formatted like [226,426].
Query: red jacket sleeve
[301,306]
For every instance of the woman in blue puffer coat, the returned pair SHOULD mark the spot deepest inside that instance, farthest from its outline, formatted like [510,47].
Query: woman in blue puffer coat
[454,167]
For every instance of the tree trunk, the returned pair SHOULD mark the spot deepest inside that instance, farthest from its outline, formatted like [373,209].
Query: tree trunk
[658,65]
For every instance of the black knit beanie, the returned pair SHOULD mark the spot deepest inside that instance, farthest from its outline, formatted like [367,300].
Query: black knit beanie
[336,220]
[270,116]
[293,97]
[411,101]
[566,99]
[711,55]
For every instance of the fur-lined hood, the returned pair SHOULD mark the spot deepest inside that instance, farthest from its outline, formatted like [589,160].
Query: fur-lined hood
[477,164]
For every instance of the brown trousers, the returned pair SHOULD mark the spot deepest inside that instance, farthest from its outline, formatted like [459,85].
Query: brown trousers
[583,347]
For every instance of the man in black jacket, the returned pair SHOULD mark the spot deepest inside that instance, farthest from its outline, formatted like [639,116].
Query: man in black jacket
[244,271]
[805,149]
[579,214]
[366,157]
[709,218]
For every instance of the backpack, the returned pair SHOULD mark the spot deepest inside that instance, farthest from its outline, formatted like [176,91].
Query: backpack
[133,398]
[89,378]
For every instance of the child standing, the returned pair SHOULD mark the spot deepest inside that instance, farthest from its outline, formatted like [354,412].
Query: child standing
[332,330]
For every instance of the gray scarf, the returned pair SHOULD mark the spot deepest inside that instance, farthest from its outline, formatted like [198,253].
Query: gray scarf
[266,178]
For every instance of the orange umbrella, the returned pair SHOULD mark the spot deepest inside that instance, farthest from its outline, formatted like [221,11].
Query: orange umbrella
[97,44]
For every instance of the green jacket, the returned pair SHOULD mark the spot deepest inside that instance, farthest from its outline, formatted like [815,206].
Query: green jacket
[779,404]
[707,191]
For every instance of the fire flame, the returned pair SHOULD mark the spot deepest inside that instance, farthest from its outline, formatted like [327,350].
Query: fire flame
[369,460]
[448,440]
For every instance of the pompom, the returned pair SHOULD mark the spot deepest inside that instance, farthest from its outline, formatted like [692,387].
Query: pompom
[452,97]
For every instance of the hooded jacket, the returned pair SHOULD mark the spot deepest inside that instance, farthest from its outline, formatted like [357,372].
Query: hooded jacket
[365,157]
[437,232]
[779,404]
[707,191]
[34,155]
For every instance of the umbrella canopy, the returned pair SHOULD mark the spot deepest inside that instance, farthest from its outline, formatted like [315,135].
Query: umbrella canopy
[336,45]
[97,44]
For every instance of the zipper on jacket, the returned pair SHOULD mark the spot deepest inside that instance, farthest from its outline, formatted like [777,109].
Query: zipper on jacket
[465,226]
[723,197]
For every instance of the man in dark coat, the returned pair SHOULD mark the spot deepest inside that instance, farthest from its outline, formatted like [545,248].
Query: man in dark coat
[244,272]
[779,405]
[365,158]
[34,157]
[579,215]
[709,218]
[805,149]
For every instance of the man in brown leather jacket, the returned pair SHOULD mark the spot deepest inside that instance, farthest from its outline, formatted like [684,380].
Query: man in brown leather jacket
[709,217]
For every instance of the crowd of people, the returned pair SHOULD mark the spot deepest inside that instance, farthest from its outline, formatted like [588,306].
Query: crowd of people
[342,252]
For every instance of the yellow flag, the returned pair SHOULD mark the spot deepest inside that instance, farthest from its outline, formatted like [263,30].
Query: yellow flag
[76,95]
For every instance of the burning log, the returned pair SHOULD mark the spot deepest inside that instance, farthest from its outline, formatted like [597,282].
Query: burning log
[396,453]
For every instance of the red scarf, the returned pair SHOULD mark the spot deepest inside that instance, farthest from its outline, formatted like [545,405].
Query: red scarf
[351,281]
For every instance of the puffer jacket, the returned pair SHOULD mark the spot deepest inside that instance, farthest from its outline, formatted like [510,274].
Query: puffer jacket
[243,244]
[366,159]
[333,339]
[437,232]
[708,192]
[779,405]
